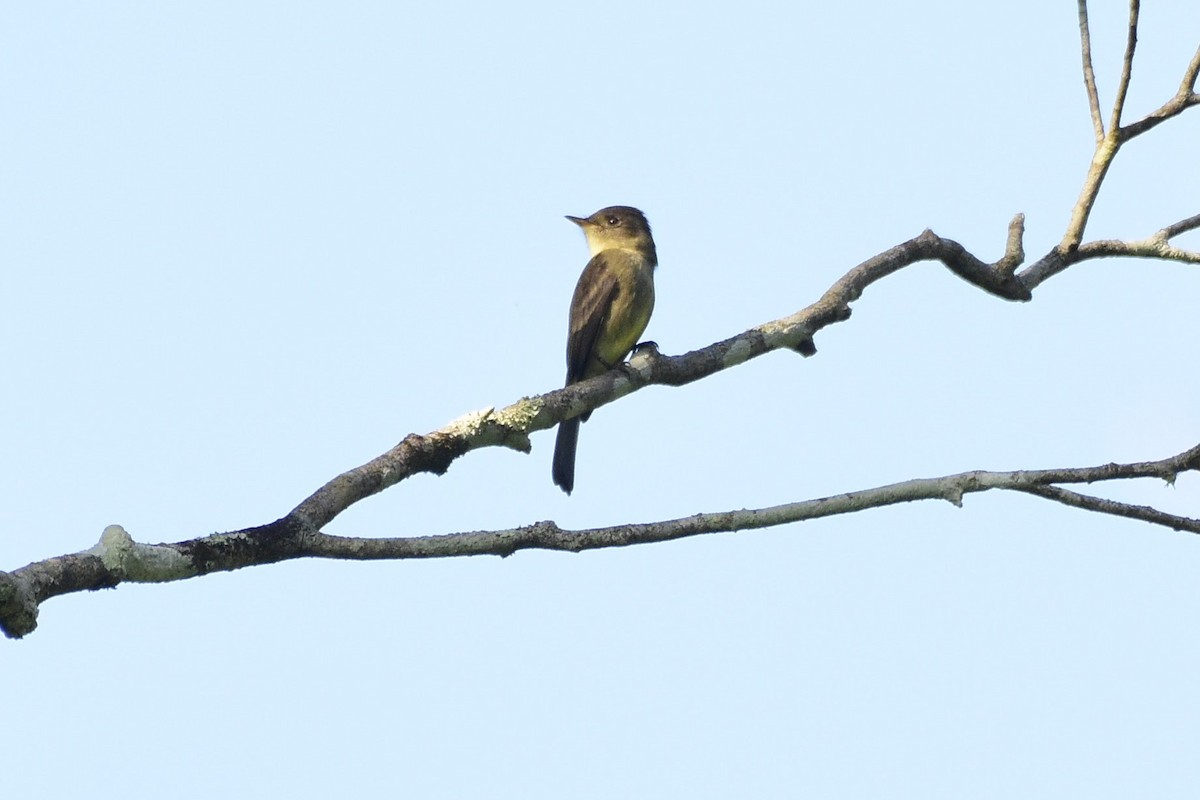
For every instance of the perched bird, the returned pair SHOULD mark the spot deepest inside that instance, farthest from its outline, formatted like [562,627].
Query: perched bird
[609,311]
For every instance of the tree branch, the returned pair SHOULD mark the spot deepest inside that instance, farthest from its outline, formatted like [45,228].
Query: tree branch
[118,559]
[1107,145]
[1183,99]
[952,488]
[1157,245]
[1102,158]
[1089,73]
[511,426]
[1126,65]
[1103,506]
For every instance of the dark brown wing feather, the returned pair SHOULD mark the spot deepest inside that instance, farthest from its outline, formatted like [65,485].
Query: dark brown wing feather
[593,300]
[594,296]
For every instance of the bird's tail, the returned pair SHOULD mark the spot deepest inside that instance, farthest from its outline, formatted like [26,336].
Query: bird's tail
[564,454]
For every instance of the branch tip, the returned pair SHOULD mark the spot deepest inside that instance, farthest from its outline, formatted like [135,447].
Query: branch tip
[1014,248]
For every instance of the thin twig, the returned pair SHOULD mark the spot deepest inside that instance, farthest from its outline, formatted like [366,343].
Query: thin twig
[1105,506]
[1183,226]
[1126,65]
[1157,245]
[1089,74]
[1183,99]
[1188,84]
[1144,248]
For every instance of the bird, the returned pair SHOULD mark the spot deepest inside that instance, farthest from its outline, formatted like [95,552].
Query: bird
[610,309]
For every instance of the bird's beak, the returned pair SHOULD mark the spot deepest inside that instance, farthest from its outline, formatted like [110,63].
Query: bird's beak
[580,221]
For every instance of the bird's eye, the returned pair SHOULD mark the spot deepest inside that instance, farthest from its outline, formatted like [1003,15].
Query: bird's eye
[614,220]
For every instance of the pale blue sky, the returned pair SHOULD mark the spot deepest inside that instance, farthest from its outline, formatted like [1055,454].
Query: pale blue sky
[250,245]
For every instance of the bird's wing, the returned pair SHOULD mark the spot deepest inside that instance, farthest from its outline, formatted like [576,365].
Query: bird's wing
[594,296]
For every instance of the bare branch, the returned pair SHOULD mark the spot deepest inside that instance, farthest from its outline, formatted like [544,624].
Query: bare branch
[510,426]
[1105,506]
[1183,226]
[1153,247]
[1157,245]
[118,559]
[1126,65]
[1184,99]
[1014,249]
[1089,74]
[1108,145]
[952,488]
[1188,84]
[1102,159]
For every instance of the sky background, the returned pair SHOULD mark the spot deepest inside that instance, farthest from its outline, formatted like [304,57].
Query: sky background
[247,246]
